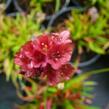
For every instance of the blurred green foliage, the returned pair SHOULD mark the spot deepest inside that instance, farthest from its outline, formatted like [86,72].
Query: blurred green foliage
[89,30]
[76,93]
[14,32]
[72,94]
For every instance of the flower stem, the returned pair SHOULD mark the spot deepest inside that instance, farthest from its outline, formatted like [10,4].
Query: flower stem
[98,71]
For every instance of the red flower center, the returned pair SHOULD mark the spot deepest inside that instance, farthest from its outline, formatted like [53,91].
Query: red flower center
[56,55]
[40,57]
[44,47]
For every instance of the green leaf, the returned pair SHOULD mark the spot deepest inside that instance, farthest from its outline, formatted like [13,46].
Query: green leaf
[96,48]
[90,83]
[52,89]
[90,107]
[68,105]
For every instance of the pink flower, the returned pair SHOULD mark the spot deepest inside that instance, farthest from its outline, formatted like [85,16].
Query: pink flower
[43,43]
[30,57]
[48,55]
[62,37]
[51,74]
[31,72]
[59,54]
[56,76]
[27,49]
[22,60]
[38,59]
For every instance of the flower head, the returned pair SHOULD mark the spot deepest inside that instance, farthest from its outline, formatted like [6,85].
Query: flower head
[43,43]
[47,55]
[29,58]
[59,54]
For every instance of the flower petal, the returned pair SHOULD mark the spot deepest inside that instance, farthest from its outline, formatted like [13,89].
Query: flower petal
[38,59]
[56,76]
[42,43]
[28,49]
[22,60]
[59,55]
[67,71]
[52,75]
[65,36]
[62,37]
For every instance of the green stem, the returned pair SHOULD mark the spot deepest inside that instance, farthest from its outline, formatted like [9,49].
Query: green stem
[57,6]
[45,98]
[85,76]
[97,71]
